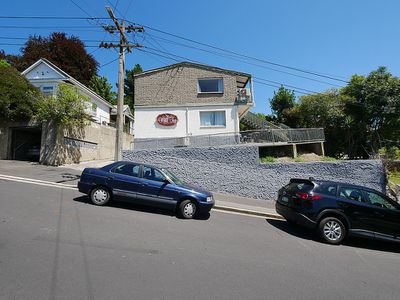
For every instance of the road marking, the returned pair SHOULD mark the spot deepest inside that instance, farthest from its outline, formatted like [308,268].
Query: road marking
[37,182]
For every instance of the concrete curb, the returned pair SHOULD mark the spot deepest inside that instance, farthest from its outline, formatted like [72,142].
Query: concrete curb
[249,212]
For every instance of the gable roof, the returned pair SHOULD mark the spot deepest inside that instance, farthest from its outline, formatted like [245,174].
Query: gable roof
[241,78]
[66,77]
[126,110]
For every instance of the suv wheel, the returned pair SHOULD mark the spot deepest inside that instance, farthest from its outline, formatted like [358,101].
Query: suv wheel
[99,196]
[332,230]
[187,209]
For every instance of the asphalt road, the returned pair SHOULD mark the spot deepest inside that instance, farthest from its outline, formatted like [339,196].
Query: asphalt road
[54,245]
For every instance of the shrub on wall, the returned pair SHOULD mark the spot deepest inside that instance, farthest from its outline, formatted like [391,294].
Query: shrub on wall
[66,108]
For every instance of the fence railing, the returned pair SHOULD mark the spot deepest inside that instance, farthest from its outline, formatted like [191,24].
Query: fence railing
[265,136]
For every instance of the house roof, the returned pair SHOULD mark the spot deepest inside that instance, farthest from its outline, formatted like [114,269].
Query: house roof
[126,110]
[66,77]
[241,78]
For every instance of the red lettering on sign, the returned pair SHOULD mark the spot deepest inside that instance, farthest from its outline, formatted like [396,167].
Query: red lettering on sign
[167,119]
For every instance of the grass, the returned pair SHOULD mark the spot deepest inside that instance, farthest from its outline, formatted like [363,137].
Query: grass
[394,177]
[268,160]
[329,158]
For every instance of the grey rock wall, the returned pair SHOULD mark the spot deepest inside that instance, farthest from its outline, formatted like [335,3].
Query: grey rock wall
[235,170]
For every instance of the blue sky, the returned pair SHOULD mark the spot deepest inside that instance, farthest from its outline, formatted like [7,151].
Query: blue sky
[334,37]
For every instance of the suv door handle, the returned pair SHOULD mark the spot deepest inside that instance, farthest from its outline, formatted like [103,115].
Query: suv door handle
[110,178]
[144,184]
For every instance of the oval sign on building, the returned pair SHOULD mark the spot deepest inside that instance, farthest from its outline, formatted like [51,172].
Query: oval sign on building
[167,119]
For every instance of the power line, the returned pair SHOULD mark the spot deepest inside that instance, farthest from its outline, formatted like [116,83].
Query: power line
[48,27]
[15,44]
[236,58]
[110,62]
[53,17]
[277,86]
[27,38]
[247,56]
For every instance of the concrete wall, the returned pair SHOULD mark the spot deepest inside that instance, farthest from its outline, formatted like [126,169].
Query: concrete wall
[236,170]
[65,146]
[178,86]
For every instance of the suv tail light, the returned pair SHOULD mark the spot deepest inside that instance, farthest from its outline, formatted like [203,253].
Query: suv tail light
[306,196]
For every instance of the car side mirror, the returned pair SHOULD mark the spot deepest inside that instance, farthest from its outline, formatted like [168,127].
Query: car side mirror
[166,181]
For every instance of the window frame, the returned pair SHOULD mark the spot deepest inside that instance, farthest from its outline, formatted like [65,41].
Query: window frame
[155,169]
[220,84]
[390,201]
[213,111]
[47,88]
[140,173]
[362,192]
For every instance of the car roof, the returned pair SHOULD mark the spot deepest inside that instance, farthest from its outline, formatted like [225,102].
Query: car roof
[320,182]
[130,162]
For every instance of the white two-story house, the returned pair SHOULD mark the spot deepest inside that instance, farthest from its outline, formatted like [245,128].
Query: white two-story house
[187,103]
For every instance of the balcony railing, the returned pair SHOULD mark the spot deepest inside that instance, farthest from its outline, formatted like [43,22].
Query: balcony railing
[265,136]
[244,97]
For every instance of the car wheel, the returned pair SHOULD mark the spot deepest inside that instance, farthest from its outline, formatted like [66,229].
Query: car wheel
[332,230]
[99,196]
[187,209]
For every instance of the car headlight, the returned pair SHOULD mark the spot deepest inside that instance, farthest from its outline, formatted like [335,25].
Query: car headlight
[210,199]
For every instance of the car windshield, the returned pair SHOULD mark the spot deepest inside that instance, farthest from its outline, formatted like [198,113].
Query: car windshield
[171,176]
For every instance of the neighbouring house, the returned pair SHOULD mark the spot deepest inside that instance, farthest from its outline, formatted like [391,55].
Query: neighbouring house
[184,103]
[128,120]
[54,145]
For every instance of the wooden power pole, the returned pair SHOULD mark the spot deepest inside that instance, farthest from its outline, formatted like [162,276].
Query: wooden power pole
[123,44]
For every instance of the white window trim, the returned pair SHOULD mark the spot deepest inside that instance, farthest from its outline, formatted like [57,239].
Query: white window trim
[210,78]
[212,126]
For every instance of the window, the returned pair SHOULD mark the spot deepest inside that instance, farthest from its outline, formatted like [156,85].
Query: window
[127,169]
[212,118]
[215,85]
[47,90]
[351,194]
[328,189]
[153,174]
[379,201]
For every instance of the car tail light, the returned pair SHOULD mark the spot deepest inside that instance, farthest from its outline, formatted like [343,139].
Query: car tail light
[306,196]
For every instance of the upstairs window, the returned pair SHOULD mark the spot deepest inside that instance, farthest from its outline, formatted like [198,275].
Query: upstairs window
[212,118]
[48,90]
[211,85]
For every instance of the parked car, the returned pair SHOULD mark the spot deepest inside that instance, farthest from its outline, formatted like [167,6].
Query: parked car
[339,209]
[143,184]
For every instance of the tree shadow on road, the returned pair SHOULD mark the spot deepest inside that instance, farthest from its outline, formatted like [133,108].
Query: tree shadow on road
[356,242]
[141,208]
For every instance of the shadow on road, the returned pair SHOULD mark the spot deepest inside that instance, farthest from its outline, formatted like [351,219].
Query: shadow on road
[141,208]
[296,231]
[309,234]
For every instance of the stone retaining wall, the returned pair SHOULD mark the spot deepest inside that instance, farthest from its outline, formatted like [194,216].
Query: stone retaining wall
[236,170]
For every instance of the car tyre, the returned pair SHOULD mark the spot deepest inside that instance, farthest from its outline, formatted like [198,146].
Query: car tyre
[187,209]
[100,196]
[332,230]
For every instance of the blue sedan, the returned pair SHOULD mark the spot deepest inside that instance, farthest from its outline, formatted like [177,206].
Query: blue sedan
[143,184]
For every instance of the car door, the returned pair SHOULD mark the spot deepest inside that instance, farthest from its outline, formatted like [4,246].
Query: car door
[156,190]
[386,215]
[353,203]
[124,180]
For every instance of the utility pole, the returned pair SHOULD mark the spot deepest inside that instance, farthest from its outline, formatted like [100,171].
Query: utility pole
[123,44]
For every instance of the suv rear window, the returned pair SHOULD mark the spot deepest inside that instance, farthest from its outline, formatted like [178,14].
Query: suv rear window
[327,189]
[299,187]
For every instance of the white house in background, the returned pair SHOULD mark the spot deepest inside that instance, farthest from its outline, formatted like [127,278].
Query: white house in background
[128,118]
[46,76]
[181,101]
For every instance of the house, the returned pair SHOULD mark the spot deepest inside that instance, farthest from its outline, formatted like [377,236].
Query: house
[176,103]
[54,145]
[128,118]
[46,76]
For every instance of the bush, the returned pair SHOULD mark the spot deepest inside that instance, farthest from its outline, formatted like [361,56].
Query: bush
[268,160]
[392,153]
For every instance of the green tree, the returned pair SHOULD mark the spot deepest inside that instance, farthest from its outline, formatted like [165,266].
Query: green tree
[67,53]
[103,88]
[282,101]
[374,110]
[66,108]
[324,110]
[130,85]
[17,95]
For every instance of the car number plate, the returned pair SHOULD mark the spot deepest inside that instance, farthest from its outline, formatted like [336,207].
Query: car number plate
[285,199]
